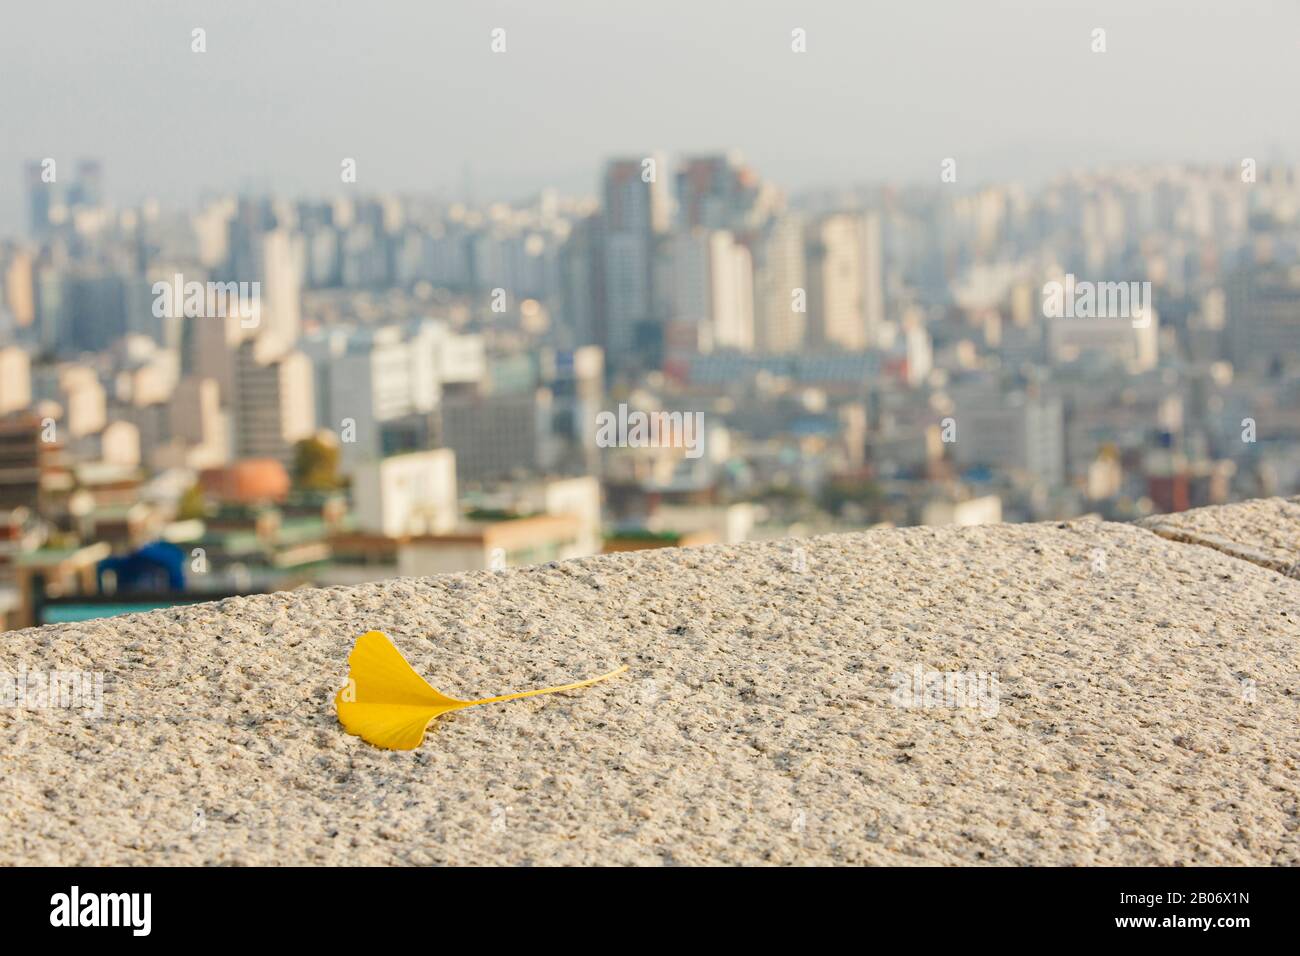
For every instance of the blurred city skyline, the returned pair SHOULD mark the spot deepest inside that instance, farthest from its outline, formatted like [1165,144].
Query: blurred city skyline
[324,296]
[419,100]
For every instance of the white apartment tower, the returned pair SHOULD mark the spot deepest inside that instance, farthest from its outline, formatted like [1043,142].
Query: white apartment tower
[778,262]
[713,283]
[834,274]
[281,273]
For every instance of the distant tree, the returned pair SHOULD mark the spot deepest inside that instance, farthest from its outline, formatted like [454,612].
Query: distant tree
[838,493]
[192,504]
[315,465]
[791,494]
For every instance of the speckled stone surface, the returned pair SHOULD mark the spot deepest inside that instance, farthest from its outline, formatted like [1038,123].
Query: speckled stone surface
[1148,713]
[1265,531]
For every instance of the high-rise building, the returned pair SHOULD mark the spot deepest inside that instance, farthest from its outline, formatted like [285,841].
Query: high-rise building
[636,195]
[459,359]
[197,423]
[873,276]
[713,287]
[635,216]
[95,307]
[778,261]
[281,286]
[41,197]
[834,275]
[497,436]
[88,188]
[15,380]
[369,383]
[325,347]
[423,342]
[20,288]
[692,299]
[24,459]
[1263,317]
[1020,431]
[732,293]
[581,269]
[84,400]
[721,192]
[628,266]
[710,191]
[274,403]
[51,197]
[576,381]
[209,350]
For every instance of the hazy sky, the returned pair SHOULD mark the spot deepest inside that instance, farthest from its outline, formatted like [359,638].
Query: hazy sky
[411,90]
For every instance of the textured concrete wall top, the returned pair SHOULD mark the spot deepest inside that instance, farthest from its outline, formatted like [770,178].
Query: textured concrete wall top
[1120,698]
[1265,532]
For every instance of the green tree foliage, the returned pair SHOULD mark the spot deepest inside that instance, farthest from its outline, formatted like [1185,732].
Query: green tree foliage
[837,493]
[192,504]
[315,465]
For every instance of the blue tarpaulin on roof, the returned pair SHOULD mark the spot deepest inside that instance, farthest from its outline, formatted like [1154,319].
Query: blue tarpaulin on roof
[157,566]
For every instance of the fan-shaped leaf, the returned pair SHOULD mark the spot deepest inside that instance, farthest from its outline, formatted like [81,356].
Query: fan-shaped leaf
[388,704]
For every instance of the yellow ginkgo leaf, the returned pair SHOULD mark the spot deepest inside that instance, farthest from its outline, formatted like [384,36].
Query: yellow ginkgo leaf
[388,704]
